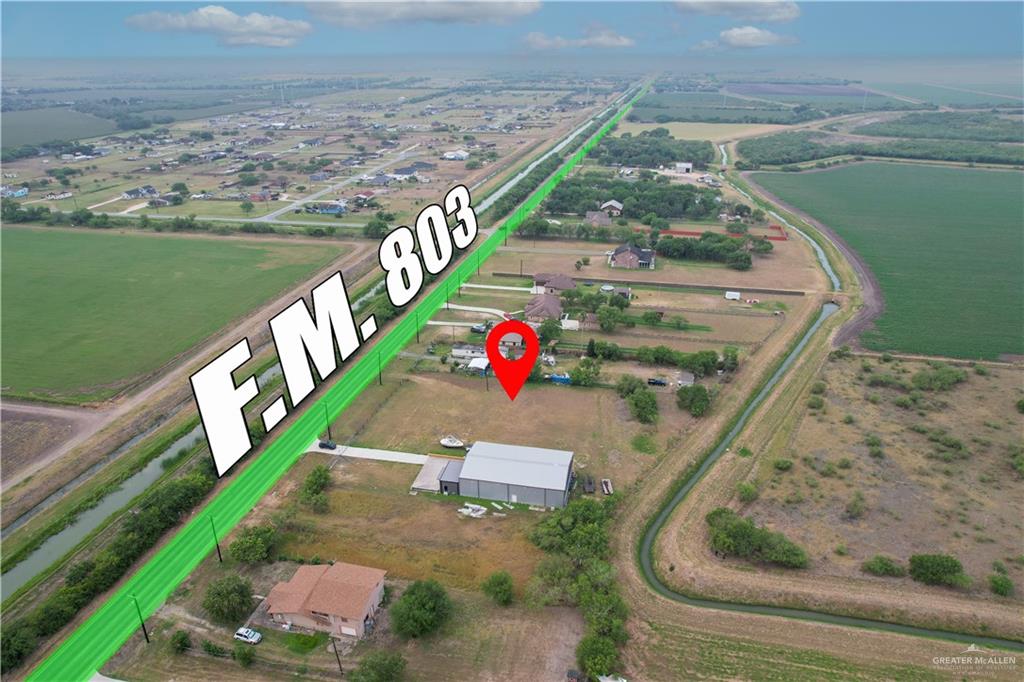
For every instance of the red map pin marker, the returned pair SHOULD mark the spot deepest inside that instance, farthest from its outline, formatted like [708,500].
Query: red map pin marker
[512,373]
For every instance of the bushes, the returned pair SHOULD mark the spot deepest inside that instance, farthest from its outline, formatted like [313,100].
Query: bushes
[883,566]
[815,402]
[938,569]
[783,464]
[1000,584]
[244,654]
[627,384]
[379,666]
[180,642]
[747,492]
[213,649]
[421,610]
[577,572]
[498,587]
[734,535]
[597,655]
[938,377]
[228,599]
[253,544]
[586,373]
[312,494]
[694,398]
[856,507]
[17,643]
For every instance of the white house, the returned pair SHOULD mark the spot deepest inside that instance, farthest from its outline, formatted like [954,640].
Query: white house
[684,167]
[732,296]
[457,155]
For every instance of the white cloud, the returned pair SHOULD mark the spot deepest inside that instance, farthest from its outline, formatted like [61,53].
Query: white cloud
[751,36]
[596,36]
[705,45]
[747,10]
[363,14]
[231,29]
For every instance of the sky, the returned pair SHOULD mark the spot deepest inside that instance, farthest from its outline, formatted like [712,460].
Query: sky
[750,30]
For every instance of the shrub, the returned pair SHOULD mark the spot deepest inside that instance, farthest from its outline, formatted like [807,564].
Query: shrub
[818,388]
[848,419]
[938,377]
[938,569]
[815,402]
[1020,405]
[856,507]
[1000,584]
[597,655]
[731,534]
[498,586]
[883,566]
[180,641]
[421,609]
[214,650]
[379,666]
[228,599]
[18,641]
[244,654]
[747,492]
[845,463]
[783,464]
[253,544]
[312,494]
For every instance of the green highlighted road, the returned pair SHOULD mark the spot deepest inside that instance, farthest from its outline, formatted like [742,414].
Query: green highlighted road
[102,634]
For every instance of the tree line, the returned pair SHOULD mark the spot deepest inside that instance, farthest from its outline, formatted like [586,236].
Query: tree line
[651,149]
[587,191]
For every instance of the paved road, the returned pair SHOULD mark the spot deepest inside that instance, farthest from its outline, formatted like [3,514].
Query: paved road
[497,287]
[369,453]
[476,309]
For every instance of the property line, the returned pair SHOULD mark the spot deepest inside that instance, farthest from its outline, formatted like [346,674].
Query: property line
[100,636]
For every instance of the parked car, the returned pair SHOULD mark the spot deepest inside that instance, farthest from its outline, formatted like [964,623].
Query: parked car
[481,328]
[657,382]
[248,636]
[328,444]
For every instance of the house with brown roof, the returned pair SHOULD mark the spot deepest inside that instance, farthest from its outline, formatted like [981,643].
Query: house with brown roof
[547,283]
[341,599]
[612,207]
[631,258]
[543,307]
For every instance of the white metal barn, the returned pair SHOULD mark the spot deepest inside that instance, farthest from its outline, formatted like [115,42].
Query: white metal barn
[516,473]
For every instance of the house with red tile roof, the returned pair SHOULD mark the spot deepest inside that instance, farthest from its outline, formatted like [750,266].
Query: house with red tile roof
[341,599]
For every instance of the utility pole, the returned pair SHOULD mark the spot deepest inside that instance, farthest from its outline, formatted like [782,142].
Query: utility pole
[327,419]
[213,528]
[416,314]
[380,377]
[141,619]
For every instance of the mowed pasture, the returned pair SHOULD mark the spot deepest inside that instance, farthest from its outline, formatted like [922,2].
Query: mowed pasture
[944,243]
[85,313]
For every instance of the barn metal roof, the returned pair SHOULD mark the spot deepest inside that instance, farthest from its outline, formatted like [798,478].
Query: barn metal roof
[517,465]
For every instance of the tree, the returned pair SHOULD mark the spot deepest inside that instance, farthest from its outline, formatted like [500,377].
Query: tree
[597,655]
[730,358]
[550,329]
[379,666]
[499,587]
[180,188]
[180,641]
[421,609]
[375,228]
[694,398]
[938,569]
[247,207]
[609,317]
[228,599]
[253,544]
[586,373]
[628,384]
[592,352]
[643,405]
[244,654]
[651,317]
[17,643]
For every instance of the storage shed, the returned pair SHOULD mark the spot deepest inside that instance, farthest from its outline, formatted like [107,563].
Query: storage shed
[515,473]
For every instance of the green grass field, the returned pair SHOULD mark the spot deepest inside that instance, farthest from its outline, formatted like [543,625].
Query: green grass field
[945,244]
[43,125]
[85,313]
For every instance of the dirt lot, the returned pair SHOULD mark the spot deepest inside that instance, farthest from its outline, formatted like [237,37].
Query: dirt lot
[916,501]
[29,430]
[407,414]
[374,521]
